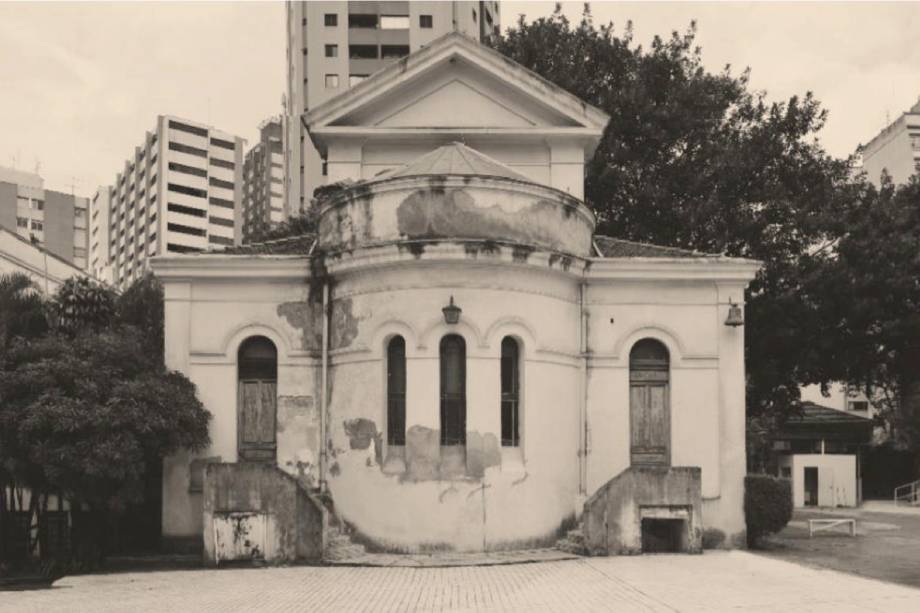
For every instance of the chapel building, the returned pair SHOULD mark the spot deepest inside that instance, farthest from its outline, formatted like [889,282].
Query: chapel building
[456,361]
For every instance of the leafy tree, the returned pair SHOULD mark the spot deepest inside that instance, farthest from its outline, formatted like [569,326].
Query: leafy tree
[304,223]
[698,160]
[141,306]
[87,415]
[81,303]
[22,308]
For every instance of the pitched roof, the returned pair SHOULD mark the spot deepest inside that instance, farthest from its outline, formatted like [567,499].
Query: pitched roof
[817,414]
[289,245]
[453,159]
[608,247]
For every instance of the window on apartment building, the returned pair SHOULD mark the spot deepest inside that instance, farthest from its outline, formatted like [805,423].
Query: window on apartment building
[226,144]
[332,51]
[394,22]
[362,52]
[332,81]
[227,204]
[183,229]
[181,248]
[218,221]
[394,51]
[38,205]
[858,405]
[330,20]
[186,149]
[359,20]
[222,163]
[425,21]
[219,183]
[189,170]
[185,210]
[220,240]
[184,127]
[325,168]
[37,225]
[22,222]
[354,79]
[188,191]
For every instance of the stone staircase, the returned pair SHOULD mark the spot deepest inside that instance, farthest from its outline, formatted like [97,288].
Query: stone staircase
[340,546]
[573,542]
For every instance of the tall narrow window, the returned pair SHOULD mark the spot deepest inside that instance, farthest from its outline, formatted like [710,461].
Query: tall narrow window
[649,405]
[257,405]
[453,390]
[396,391]
[511,386]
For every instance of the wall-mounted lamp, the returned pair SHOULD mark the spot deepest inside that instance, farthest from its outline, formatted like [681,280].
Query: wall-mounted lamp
[451,312]
[735,317]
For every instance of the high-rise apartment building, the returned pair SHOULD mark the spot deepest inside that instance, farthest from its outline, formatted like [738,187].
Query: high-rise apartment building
[180,191]
[332,46]
[896,149]
[54,220]
[263,181]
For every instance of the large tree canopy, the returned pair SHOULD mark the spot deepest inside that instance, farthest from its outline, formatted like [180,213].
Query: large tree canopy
[697,160]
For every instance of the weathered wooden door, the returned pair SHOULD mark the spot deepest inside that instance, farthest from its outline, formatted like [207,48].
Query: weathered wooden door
[649,404]
[257,400]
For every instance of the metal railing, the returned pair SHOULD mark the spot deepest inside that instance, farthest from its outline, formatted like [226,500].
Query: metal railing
[909,493]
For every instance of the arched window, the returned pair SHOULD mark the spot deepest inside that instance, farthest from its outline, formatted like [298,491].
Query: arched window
[453,390]
[257,365]
[396,391]
[649,403]
[511,391]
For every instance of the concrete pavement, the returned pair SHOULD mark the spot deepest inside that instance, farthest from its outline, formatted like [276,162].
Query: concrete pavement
[715,581]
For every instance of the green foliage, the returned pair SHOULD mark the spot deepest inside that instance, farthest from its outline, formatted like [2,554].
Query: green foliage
[141,306]
[81,303]
[306,222]
[767,506]
[22,309]
[697,160]
[85,415]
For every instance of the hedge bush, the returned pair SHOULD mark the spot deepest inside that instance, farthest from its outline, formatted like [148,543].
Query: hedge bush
[767,506]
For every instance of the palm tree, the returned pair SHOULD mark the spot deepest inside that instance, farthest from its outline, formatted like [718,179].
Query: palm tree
[22,308]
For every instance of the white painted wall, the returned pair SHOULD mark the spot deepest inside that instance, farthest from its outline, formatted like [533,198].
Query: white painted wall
[836,478]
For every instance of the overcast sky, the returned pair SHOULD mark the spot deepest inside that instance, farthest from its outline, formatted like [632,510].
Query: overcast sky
[81,83]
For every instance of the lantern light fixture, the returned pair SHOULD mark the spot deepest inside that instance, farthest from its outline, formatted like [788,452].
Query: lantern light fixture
[451,312]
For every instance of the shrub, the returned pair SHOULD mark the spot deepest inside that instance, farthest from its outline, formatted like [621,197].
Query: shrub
[767,506]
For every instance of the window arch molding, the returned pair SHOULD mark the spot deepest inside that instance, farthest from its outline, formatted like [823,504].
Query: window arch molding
[238,336]
[510,326]
[665,336]
[386,331]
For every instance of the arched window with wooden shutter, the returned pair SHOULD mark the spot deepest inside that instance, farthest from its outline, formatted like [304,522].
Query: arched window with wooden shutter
[453,390]
[396,391]
[257,370]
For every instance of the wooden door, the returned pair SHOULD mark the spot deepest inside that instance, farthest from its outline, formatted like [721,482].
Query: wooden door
[257,420]
[649,423]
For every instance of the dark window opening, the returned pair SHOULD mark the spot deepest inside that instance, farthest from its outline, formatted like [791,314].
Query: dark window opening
[189,170]
[425,21]
[663,535]
[183,229]
[218,221]
[226,144]
[511,385]
[330,19]
[181,248]
[394,51]
[184,149]
[362,52]
[187,210]
[188,191]
[220,240]
[453,390]
[396,391]
[332,51]
[184,127]
[362,21]
[227,204]
[219,183]
[222,163]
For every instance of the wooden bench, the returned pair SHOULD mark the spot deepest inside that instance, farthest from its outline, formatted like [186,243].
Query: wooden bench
[817,525]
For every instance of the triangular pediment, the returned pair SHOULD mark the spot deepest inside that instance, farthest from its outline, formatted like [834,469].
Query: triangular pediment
[457,85]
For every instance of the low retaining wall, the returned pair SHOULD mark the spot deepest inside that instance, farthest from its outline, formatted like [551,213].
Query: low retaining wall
[257,512]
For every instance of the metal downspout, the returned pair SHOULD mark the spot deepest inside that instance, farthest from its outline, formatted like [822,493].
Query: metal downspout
[583,399]
[324,393]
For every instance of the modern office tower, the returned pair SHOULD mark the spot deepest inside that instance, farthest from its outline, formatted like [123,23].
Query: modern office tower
[263,181]
[179,192]
[331,46]
[896,149]
[54,220]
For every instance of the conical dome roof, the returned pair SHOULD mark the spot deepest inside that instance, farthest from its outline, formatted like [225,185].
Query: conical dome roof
[453,159]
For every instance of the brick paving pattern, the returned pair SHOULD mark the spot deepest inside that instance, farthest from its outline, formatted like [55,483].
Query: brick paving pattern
[716,581]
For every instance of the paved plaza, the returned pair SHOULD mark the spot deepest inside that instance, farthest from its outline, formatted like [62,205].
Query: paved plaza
[715,581]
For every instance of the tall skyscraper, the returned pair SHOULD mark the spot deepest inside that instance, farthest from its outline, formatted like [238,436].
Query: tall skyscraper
[332,46]
[263,180]
[180,191]
[54,220]
[896,149]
